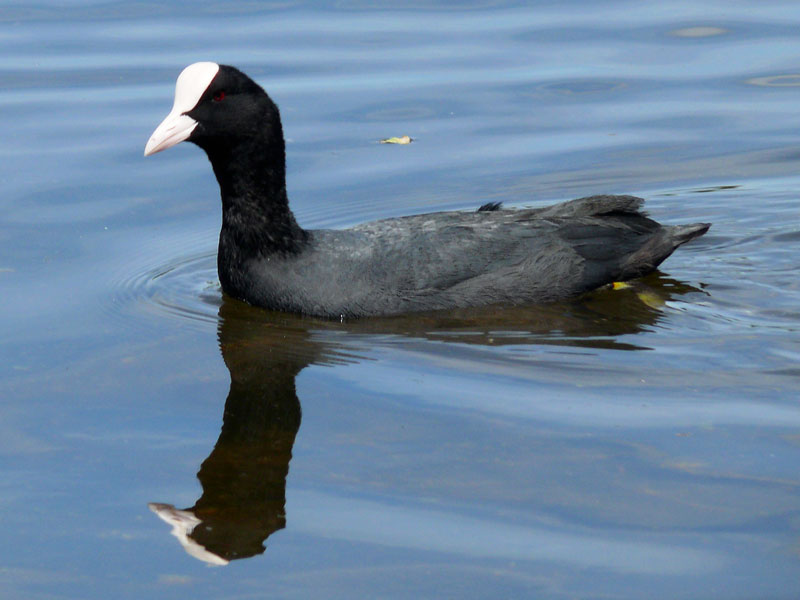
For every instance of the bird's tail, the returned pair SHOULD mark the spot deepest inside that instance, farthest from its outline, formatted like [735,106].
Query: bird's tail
[680,234]
[659,247]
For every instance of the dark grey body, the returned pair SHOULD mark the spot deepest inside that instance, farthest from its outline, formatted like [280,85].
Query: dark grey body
[459,259]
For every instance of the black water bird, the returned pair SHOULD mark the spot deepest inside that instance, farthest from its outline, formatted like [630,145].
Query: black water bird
[424,262]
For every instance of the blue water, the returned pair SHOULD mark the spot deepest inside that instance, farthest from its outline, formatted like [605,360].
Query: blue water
[636,443]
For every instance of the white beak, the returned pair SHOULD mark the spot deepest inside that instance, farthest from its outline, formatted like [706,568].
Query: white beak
[175,128]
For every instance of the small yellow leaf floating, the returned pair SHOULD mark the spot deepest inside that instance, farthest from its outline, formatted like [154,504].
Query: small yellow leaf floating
[620,285]
[397,140]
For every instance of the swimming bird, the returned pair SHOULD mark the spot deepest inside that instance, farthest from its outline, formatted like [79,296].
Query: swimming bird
[434,261]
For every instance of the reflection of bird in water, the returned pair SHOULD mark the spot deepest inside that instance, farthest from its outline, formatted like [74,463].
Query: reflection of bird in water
[595,320]
[244,477]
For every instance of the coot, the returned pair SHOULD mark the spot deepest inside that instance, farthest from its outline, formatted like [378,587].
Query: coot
[424,262]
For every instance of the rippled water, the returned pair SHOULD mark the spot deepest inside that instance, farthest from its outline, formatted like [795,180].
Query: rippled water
[635,443]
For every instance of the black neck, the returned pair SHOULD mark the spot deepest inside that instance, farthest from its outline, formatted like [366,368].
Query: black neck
[256,218]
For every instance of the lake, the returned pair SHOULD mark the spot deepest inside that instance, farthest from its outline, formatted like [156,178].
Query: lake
[160,440]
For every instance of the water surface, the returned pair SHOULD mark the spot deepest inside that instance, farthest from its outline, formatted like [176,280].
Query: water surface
[629,441]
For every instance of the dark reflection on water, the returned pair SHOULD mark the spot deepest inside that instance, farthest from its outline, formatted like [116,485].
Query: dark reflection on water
[595,320]
[244,477]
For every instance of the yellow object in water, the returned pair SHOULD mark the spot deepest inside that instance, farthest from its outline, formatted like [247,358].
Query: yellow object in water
[397,140]
[650,299]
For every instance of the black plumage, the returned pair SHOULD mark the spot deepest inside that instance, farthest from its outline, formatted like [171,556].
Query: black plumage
[424,262]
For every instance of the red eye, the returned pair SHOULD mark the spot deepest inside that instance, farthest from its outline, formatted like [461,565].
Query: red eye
[218,96]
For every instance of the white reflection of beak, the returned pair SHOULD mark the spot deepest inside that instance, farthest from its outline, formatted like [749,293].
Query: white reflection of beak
[183,523]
